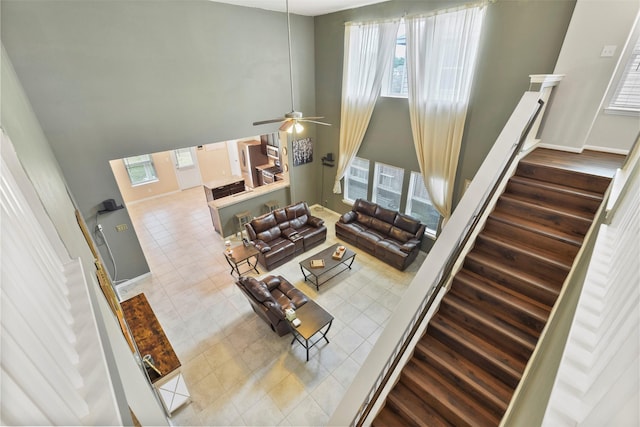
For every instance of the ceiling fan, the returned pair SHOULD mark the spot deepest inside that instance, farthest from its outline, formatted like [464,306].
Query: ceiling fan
[291,120]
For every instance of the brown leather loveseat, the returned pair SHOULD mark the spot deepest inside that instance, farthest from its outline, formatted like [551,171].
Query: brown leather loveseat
[270,297]
[284,233]
[390,236]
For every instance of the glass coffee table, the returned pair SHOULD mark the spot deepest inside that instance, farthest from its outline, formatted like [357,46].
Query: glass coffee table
[241,255]
[313,319]
[331,268]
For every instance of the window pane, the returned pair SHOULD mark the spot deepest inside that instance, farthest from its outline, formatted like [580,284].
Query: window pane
[395,82]
[184,158]
[387,187]
[357,180]
[140,169]
[419,205]
[627,96]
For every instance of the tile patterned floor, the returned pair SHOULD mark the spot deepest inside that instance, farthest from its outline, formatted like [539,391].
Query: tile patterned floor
[237,370]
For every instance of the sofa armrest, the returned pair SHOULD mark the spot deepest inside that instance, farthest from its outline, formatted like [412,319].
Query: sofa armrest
[348,217]
[274,309]
[289,232]
[409,245]
[316,222]
[261,246]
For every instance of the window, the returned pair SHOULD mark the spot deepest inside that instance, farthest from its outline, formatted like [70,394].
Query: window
[387,186]
[395,79]
[419,205]
[356,181]
[627,95]
[184,159]
[140,169]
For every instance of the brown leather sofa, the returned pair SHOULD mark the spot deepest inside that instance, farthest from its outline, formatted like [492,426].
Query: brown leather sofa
[284,233]
[390,236]
[270,297]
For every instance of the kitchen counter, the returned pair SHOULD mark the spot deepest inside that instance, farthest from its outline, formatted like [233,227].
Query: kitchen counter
[223,210]
[223,181]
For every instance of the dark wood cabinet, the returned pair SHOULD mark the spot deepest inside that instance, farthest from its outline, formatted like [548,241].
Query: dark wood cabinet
[213,193]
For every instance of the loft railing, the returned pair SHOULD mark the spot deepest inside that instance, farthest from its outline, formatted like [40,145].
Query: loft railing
[439,267]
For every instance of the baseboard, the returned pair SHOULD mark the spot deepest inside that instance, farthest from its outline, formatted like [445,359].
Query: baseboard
[560,148]
[607,150]
[152,197]
[134,280]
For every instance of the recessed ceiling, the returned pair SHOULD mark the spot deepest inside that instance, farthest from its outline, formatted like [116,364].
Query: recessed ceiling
[303,7]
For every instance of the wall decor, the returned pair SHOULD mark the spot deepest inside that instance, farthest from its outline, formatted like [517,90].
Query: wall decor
[302,151]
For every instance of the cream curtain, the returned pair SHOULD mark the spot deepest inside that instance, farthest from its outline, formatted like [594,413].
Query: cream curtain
[368,51]
[441,57]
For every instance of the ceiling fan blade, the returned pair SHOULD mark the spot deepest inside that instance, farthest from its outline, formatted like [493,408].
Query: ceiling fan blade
[314,121]
[311,118]
[286,125]
[264,122]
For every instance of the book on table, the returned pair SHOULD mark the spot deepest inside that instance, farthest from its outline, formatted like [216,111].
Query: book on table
[317,263]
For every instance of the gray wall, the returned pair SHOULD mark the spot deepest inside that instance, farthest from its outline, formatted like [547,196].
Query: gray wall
[111,79]
[519,38]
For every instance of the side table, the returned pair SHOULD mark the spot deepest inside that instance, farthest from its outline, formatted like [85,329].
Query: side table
[241,255]
[312,319]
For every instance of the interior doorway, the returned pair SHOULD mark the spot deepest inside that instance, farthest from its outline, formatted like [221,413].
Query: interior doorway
[186,166]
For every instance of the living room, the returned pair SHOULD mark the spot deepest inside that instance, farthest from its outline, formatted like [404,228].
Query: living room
[135,117]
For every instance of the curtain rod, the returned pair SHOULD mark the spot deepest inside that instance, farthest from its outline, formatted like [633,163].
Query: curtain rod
[424,14]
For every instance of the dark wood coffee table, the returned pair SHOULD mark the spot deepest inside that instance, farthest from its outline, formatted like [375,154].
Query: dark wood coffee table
[241,255]
[332,267]
[313,318]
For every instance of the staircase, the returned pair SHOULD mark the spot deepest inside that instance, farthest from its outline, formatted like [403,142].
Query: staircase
[464,370]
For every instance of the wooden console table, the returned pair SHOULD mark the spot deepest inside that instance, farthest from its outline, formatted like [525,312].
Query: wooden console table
[151,340]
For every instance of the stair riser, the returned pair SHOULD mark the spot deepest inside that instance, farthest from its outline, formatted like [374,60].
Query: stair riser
[570,225]
[545,296]
[488,401]
[563,177]
[548,197]
[508,313]
[520,261]
[493,367]
[488,331]
[563,251]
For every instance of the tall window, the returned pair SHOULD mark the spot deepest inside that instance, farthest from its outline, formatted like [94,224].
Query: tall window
[627,96]
[140,169]
[419,205]
[395,79]
[387,186]
[356,183]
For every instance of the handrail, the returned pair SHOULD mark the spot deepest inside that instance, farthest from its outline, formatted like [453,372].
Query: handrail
[443,278]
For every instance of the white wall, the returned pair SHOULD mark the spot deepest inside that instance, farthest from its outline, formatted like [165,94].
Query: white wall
[575,105]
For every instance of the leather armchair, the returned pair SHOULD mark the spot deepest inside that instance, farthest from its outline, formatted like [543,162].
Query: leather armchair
[270,297]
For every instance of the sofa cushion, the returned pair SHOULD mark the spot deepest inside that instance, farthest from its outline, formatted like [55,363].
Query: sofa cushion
[296,211]
[364,219]
[379,225]
[399,234]
[299,221]
[263,223]
[365,207]
[257,288]
[385,215]
[406,223]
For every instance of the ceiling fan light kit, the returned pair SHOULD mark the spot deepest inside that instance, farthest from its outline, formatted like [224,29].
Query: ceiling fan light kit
[292,119]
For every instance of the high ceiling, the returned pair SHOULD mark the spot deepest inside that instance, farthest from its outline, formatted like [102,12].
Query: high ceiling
[303,7]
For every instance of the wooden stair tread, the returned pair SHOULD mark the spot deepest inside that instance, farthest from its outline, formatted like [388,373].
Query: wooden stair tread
[465,374]
[519,311]
[539,255]
[451,402]
[388,418]
[493,328]
[502,364]
[591,195]
[536,228]
[528,204]
[406,405]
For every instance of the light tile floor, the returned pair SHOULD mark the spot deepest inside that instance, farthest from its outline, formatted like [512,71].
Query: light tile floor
[237,370]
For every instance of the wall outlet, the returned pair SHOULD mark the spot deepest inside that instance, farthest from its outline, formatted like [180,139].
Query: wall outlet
[122,227]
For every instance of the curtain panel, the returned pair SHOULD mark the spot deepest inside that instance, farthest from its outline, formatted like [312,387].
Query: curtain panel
[368,51]
[441,57]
